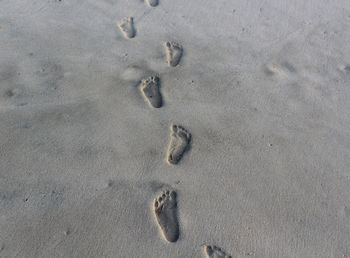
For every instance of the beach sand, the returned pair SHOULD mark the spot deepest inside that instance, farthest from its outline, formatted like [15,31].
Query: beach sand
[261,87]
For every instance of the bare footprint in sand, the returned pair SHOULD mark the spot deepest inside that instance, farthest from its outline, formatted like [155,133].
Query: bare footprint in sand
[165,210]
[126,25]
[152,3]
[173,53]
[180,139]
[151,92]
[212,251]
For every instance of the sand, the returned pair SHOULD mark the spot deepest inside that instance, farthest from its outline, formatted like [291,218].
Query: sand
[261,86]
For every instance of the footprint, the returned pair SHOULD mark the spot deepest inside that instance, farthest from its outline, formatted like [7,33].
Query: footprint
[173,53]
[126,25]
[151,92]
[212,251]
[152,3]
[165,210]
[13,92]
[345,68]
[273,69]
[180,139]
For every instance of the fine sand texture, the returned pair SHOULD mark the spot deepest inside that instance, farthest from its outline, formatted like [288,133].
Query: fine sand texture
[251,128]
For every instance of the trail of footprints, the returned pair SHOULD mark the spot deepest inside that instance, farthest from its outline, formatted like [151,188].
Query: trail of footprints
[165,204]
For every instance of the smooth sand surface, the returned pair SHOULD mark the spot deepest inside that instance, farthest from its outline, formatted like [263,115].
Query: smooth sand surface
[262,86]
